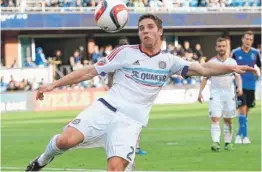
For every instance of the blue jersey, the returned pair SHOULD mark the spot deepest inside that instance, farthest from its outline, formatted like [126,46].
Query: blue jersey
[251,58]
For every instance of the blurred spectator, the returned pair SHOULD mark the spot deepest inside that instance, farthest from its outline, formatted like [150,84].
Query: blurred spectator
[96,55]
[29,62]
[75,60]
[198,52]
[130,3]
[25,85]
[4,85]
[14,64]
[12,86]
[40,59]
[139,3]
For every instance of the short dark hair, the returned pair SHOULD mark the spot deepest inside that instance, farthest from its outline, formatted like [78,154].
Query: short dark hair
[221,39]
[248,33]
[119,41]
[156,19]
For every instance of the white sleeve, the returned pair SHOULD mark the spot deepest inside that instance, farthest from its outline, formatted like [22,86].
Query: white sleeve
[112,62]
[179,66]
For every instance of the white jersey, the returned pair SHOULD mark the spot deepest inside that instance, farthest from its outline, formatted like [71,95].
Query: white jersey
[223,83]
[138,79]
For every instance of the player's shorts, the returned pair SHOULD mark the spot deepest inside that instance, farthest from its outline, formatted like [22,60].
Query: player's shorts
[225,108]
[248,99]
[103,126]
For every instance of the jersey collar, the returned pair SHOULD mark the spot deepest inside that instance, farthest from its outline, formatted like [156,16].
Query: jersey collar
[143,51]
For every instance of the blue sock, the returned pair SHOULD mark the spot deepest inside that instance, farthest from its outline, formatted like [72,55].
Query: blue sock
[245,129]
[242,125]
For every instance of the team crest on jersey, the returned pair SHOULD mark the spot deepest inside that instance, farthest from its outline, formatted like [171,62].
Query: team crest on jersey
[253,56]
[101,62]
[240,58]
[162,64]
[76,121]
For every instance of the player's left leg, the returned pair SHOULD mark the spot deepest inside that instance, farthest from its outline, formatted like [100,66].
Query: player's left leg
[228,133]
[139,151]
[250,99]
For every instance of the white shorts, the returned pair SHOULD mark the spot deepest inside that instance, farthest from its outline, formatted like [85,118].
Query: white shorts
[102,127]
[222,108]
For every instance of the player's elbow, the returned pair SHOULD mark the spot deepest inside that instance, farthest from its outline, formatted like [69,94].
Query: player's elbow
[204,72]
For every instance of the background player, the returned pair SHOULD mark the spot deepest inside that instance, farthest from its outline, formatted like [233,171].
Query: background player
[222,97]
[246,55]
[115,120]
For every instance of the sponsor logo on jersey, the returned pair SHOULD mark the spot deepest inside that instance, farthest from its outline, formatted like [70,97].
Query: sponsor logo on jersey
[149,76]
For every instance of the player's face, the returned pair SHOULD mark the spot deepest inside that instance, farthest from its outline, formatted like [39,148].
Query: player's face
[221,48]
[149,33]
[247,40]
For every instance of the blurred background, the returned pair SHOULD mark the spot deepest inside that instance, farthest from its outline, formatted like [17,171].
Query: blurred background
[62,33]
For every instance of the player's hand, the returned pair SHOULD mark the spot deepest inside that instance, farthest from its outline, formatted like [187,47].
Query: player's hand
[43,89]
[244,68]
[200,98]
[239,92]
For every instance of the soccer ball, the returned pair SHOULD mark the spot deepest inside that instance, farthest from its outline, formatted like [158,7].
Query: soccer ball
[111,15]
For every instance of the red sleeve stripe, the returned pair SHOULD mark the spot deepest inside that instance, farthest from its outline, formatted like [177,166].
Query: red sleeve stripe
[115,51]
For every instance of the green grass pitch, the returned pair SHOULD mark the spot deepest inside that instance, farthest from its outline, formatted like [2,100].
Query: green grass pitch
[176,139]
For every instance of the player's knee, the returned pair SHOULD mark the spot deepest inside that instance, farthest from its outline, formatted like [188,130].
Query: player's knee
[70,138]
[117,164]
[243,109]
[228,121]
[215,120]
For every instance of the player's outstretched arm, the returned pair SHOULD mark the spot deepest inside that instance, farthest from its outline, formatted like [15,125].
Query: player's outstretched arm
[202,86]
[214,69]
[85,73]
[239,84]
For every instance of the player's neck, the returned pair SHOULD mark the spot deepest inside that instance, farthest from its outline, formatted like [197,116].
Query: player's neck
[150,51]
[222,58]
[246,49]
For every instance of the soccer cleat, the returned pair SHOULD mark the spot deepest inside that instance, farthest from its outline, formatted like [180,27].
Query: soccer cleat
[246,140]
[139,151]
[215,147]
[238,140]
[229,146]
[34,165]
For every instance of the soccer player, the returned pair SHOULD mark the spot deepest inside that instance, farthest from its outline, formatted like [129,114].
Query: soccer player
[124,41]
[116,120]
[246,55]
[222,97]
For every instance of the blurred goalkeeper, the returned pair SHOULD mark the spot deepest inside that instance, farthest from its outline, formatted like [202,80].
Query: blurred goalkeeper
[222,101]
[246,55]
[116,120]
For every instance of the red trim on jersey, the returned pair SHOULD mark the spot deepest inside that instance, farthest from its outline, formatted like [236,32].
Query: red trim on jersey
[117,50]
[143,50]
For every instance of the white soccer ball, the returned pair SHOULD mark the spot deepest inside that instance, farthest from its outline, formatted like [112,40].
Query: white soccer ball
[111,15]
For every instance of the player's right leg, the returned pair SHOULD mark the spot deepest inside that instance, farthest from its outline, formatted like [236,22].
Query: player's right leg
[57,146]
[85,131]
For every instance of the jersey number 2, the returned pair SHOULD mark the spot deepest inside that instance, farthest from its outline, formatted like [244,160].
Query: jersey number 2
[130,153]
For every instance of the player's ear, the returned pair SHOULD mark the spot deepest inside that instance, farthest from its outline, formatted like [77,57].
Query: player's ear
[161,31]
